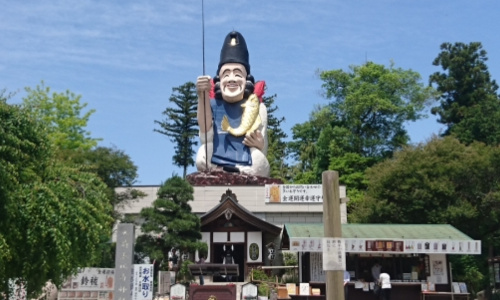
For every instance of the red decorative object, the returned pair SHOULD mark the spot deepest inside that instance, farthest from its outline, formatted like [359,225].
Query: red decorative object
[212,90]
[259,89]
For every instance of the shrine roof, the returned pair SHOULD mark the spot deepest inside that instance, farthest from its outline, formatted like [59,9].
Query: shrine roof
[229,207]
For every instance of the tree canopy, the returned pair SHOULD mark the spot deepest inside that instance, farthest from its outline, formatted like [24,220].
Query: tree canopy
[276,152]
[362,124]
[442,181]
[470,105]
[61,113]
[115,168]
[65,122]
[53,215]
[181,125]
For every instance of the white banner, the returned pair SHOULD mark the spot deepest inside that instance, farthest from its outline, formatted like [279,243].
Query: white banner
[143,282]
[396,246]
[91,279]
[333,254]
[293,193]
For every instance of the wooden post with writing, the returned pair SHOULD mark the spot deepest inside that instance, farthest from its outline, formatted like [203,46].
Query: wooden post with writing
[332,228]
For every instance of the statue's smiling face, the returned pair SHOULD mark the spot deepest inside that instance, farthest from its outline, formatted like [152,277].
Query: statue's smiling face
[232,81]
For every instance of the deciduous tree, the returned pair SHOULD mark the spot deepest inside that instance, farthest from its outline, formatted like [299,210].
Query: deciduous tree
[64,120]
[115,168]
[440,182]
[63,116]
[443,181]
[362,124]
[53,215]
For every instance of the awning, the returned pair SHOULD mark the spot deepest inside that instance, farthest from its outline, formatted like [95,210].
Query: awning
[385,238]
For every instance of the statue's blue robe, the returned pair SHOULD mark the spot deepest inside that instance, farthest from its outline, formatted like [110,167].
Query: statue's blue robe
[228,150]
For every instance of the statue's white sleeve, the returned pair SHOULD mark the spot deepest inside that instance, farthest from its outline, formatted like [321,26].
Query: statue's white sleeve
[209,136]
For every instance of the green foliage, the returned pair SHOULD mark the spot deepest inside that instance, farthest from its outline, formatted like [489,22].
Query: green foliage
[466,268]
[184,276]
[276,152]
[61,113]
[291,275]
[470,105]
[303,146]
[116,169]
[23,149]
[263,289]
[112,165]
[68,216]
[53,214]
[372,103]
[363,124]
[440,182]
[169,225]
[290,259]
[181,124]
[259,276]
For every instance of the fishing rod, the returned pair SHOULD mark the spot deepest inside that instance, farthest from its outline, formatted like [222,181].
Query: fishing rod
[203,33]
[204,104]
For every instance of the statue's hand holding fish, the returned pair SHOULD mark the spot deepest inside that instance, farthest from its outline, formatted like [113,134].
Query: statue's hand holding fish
[254,139]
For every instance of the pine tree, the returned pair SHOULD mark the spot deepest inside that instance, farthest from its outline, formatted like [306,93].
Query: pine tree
[169,224]
[181,124]
[470,105]
[276,152]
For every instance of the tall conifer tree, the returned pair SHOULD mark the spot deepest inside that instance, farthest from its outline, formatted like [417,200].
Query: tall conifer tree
[181,125]
[276,152]
[470,105]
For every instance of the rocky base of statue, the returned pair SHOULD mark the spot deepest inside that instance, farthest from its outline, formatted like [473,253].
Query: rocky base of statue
[220,177]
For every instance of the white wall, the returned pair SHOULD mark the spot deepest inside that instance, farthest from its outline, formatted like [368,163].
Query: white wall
[250,197]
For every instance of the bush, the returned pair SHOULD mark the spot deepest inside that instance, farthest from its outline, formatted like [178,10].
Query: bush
[263,289]
[260,275]
[184,275]
[263,282]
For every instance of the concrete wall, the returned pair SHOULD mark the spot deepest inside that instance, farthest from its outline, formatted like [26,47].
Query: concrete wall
[250,197]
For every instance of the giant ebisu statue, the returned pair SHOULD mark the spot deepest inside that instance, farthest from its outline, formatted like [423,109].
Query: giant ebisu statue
[231,115]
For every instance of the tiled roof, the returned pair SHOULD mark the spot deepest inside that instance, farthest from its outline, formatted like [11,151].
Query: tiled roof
[381,231]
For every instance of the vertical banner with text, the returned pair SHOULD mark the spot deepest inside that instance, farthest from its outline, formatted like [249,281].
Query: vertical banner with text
[143,282]
[333,254]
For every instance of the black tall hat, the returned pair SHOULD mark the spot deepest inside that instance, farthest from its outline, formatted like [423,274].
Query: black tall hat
[234,50]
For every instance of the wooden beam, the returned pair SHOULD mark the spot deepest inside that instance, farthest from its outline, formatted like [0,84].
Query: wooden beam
[333,229]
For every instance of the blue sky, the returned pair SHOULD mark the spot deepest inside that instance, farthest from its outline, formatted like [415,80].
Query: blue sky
[124,57]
